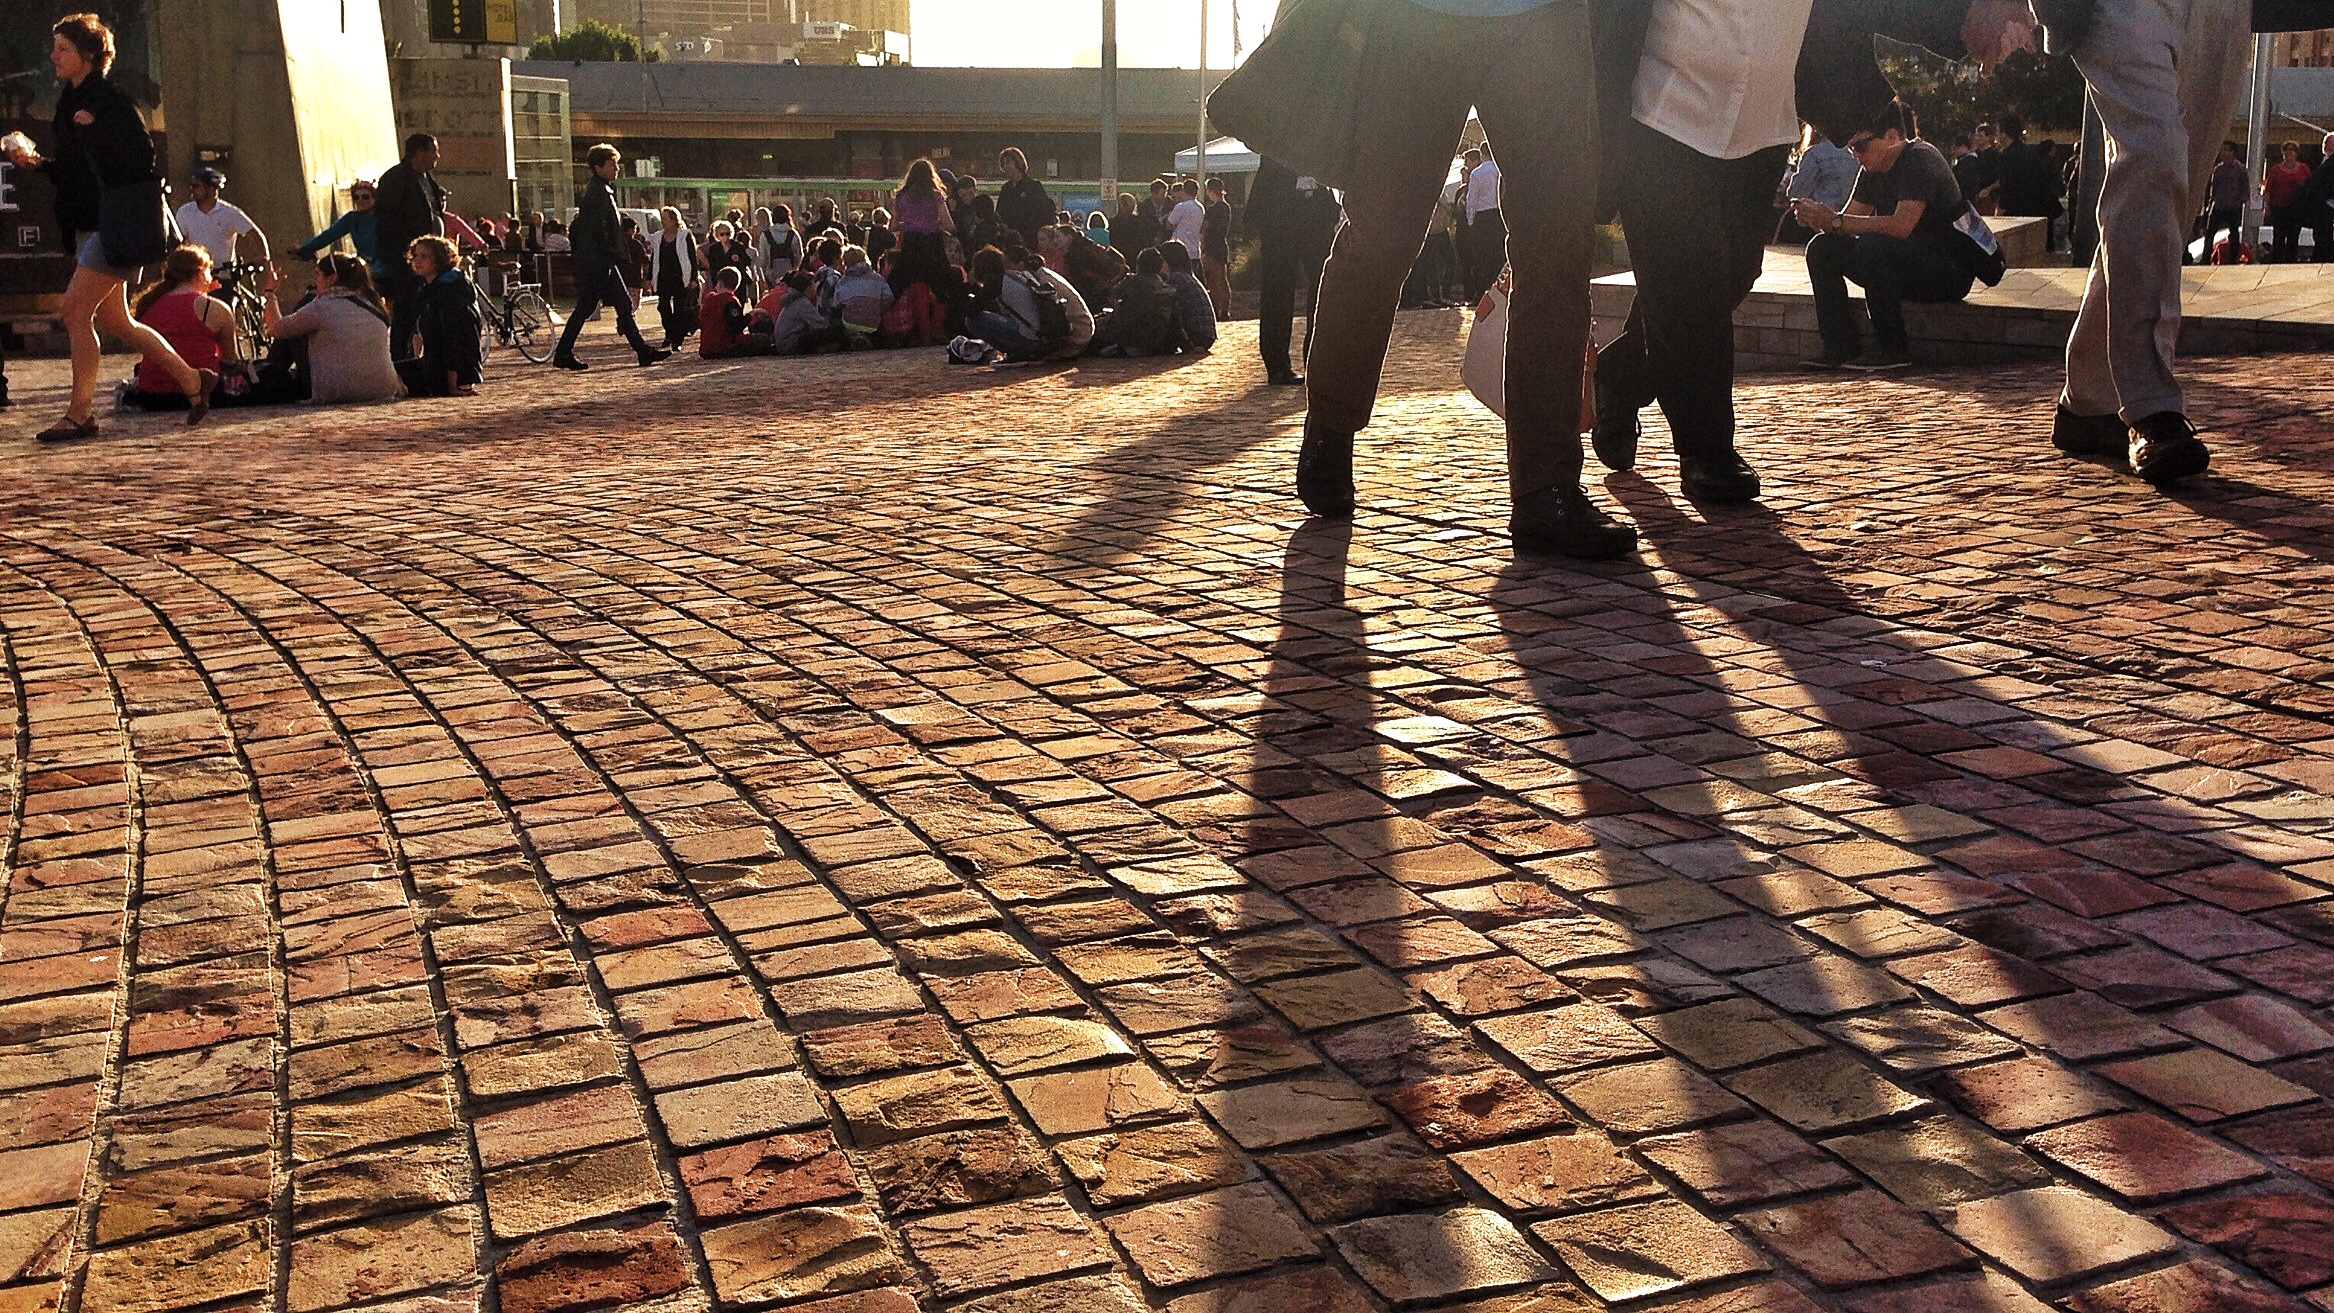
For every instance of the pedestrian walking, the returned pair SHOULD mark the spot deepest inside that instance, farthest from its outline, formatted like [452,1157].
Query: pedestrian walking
[601,251]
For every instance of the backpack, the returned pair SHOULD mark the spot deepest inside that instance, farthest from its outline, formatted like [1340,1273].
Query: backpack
[1148,320]
[1052,328]
[1977,251]
[917,318]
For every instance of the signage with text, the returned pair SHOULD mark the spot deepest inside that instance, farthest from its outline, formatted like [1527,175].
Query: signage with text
[475,22]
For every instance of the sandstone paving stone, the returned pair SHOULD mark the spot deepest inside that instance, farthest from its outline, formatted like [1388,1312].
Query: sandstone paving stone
[2025,1094]
[965,953]
[895,1108]
[1316,1289]
[1938,1162]
[696,1057]
[1488,986]
[955,1169]
[1150,1163]
[847,999]
[1133,957]
[2143,1157]
[1022,1045]
[536,1197]
[1824,1092]
[2080,1027]
[737,1109]
[1411,1047]
[536,1064]
[590,1268]
[1983,1292]
[1564,1172]
[2283,1234]
[2301,1139]
[1159,1007]
[1825,986]
[1730,1033]
[348,1124]
[1198,1237]
[390,1256]
[1854,1239]
[1003,1244]
[1644,1098]
[34,1245]
[767,1175]
[800,1253]
[1203,1059]
[1879,933]
[1567,1038]
[1391,1173]
[1336,998]
[1474,1108]
[2188,1286]
[1094,1099]
[2204,1086]
[1286,1112]
[1636,1250]
[1743,1163]
[192,1267]
[2054,1233]
[1090,1294]
[2255,1029]
[1920,1038]
[1412,1257]
[400,1178]
[996,994]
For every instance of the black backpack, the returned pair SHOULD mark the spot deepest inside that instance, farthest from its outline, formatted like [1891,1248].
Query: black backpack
[1149,318]
[1052,328]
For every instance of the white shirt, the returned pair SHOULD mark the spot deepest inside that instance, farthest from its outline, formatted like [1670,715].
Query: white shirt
[1184,223]
[1483,186]
[1716,75]
[214,232]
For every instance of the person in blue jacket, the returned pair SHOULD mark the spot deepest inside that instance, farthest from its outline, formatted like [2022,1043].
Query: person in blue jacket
[360,225]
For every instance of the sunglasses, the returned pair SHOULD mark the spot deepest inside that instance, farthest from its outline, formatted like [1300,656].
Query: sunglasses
[1858,145]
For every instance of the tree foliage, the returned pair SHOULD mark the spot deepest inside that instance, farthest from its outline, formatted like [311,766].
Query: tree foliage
[2044,90]
[594,42]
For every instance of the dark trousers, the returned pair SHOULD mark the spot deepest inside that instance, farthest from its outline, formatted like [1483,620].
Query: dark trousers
[2285,229]
[402,289]
[1698,231]
[1285,275]
[1891,271]
[2228,219]
[1485,255]
[2322,237]
[594,288]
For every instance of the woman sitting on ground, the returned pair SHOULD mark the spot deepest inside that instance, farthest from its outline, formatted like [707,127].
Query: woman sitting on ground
[347,333]
[198,326]
[445,360]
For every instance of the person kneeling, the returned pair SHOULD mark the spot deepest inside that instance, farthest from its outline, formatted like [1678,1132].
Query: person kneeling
[1900,239]
[722,321]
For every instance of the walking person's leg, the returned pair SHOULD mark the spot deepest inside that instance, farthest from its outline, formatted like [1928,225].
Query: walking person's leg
[94,301]
[589,286]
[1276,309]
[1538,102]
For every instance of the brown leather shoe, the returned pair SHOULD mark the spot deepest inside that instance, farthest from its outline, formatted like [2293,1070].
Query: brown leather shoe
[2165,448]
[69,430]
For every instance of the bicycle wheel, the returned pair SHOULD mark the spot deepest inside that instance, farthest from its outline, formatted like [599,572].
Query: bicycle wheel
[251,338]
[531,325]
[489,324]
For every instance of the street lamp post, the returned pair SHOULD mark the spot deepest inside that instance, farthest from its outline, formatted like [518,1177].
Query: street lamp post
[1109,198]
[1200,161]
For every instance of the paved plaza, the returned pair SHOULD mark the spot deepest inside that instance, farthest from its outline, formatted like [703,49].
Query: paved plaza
[863,835]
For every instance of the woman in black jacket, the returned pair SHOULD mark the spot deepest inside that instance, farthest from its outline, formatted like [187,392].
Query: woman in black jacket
[99,142]
[446,355]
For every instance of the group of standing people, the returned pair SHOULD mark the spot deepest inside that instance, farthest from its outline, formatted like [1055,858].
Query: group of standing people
[1686,111]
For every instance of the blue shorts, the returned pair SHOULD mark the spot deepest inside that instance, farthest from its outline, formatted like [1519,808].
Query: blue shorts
[89,253]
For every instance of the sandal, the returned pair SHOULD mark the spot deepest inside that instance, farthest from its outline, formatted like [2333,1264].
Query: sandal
[69,429]
[198,403]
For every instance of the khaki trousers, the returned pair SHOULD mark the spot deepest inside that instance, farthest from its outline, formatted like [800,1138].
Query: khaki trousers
[1532,78]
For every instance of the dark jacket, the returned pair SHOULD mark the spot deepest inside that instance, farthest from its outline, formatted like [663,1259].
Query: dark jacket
[411,204]
[114,151]
[1024,207]
[598,231]
[448,324]
[1290,221]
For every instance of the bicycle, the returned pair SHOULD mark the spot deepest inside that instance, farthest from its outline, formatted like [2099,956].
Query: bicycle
[520,318]
[239,287]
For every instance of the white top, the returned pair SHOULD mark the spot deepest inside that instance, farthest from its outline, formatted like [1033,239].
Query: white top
[1716,75]
[214,232]
[1021,304]
[1483,186]
[1184,223]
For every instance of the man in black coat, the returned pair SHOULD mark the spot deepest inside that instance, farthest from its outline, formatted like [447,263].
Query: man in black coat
[1022,203]
[600,250]
[1295,220]
[410,204]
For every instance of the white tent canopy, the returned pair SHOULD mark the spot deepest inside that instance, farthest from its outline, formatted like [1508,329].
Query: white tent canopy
[1225,155]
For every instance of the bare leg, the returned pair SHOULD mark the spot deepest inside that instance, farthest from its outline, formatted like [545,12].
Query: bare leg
[94,302]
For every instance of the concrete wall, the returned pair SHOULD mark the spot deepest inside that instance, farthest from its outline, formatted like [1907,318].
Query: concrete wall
[466,105]
[292,95]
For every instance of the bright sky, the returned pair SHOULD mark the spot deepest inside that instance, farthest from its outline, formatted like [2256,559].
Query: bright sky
[1068,33]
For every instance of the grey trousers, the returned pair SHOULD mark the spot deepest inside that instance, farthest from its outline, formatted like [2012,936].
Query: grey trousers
[2166,76]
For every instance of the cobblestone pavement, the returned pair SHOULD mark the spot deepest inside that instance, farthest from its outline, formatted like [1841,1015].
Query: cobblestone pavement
[866,836]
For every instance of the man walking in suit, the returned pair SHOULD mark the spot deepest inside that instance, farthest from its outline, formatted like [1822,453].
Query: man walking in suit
[600,249]
[1525,66]
[2166,76]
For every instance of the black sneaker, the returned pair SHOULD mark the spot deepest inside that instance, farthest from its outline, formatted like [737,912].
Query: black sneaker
[1325,472]
[2088,435]
[1726,480]
[1827,360]
[2165,448]
[1877,361]
[651,357]
[1564,522]
[568,362]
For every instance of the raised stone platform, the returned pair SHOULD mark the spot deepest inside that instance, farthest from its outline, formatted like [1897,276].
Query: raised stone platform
[2239,310]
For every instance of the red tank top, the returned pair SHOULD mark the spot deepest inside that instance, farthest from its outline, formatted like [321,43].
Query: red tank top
[179,319]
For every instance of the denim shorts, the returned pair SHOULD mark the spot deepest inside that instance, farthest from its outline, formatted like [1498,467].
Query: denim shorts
[89,253]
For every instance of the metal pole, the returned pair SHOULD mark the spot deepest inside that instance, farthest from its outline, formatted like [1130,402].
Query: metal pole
[1109,107]
[2257,135]
[1200,163]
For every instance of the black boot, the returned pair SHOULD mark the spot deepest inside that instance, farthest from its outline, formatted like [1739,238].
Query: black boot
[650,355]
[1325,472]
[1724,479]
[567,360]
[1564,522]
